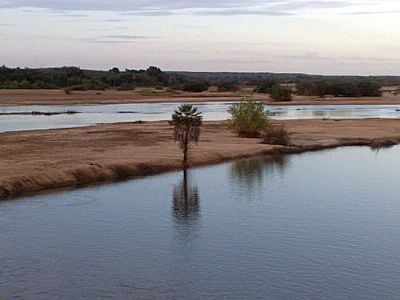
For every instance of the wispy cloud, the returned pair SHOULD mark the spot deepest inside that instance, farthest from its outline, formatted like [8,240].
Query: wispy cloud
[383,12]
[201,8]
[238,12]
[304,56]
[150,13]
[119,39]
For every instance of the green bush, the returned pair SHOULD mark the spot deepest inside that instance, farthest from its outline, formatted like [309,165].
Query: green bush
[69,89]
[227,85]
[248,117]
[265,86]
[126,87]
[280,93]
[195,86]
[78,87]
[276,134]
[370,89]
[317,88]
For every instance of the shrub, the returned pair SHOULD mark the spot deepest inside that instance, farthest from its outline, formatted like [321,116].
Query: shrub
[280,93]
[78,87]
[126,87]
[248,117]
[307,88]
[370,89]
[195,86]
[265,86]
[227,86]
[276,134]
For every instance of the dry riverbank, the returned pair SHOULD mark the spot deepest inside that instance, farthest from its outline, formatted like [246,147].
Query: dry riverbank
[58,97]
[35,161]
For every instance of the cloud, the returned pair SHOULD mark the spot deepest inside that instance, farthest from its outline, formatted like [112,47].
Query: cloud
[383,12]
[119,39]
[124,5]
[150,13]
[304,56]
[196,7]
[237,12]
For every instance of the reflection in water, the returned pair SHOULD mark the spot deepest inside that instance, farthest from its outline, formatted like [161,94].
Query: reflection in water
[251,172]
[186,200]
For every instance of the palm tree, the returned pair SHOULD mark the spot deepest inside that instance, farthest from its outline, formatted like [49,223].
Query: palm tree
[187,121]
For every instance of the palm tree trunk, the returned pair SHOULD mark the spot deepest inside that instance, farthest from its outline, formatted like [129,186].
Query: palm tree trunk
[186,148]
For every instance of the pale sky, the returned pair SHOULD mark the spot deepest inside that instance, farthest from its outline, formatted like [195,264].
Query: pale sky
[359,37]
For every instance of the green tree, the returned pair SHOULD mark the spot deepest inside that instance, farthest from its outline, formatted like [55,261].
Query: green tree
[186,121]
[370,89]
[280,93]
[248,117]
[195,86]
[265,86]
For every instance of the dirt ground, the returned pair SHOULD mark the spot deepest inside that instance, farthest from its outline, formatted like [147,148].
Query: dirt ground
[59,97]
[33,161]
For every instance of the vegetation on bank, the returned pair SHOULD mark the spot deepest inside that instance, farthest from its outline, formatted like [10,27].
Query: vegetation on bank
[279,86]
[73,78]
[249,118]
[363,88]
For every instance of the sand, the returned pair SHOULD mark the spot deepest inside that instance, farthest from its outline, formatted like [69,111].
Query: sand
[35,161]
[58,97]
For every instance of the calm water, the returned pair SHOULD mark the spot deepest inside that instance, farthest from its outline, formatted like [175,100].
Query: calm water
[93,114]
[322,225]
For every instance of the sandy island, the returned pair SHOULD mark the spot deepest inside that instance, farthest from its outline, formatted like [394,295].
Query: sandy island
[58,97]
[35,161]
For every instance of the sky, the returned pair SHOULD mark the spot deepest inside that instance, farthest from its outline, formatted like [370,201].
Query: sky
[349,37]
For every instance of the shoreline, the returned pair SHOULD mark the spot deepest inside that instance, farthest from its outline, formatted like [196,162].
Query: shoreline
[34,162]
[58,97]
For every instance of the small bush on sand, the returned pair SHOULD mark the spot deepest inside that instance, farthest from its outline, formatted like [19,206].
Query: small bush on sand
[248,117]
[276,134]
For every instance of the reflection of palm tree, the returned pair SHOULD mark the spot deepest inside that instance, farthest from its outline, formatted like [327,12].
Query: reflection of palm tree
[186,199]
[250,171]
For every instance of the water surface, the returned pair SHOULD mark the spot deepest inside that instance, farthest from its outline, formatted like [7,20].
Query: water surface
[16,118]
[321,225]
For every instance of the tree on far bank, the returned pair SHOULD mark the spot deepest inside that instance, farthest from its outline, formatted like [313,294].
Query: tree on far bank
[186,121]
[280,93]
[265,86]
[196,86]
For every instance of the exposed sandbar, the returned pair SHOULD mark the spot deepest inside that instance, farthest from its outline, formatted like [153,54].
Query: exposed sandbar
[34,161]
[59,97]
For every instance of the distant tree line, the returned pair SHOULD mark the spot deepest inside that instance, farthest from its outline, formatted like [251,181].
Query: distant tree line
[365,88]
[350,88]
[74,78]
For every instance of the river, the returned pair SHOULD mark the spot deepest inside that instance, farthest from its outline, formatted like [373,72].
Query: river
[318,225]
[17,118]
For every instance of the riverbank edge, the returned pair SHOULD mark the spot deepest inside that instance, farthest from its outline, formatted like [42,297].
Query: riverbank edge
[59,98]
[103,174]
